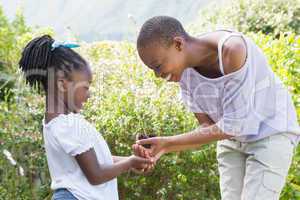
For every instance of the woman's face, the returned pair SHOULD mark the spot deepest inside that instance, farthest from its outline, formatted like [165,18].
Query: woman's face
[166,62]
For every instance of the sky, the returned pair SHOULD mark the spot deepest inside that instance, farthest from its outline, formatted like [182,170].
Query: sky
[94,20]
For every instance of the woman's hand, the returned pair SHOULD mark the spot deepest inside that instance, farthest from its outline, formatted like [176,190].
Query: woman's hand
[159,146]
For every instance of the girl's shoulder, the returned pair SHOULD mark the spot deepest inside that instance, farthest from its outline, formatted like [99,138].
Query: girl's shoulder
[70,132]
[72,122]
[64,120]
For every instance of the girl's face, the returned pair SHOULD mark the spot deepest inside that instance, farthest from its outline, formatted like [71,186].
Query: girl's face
[166,62]
[77,92]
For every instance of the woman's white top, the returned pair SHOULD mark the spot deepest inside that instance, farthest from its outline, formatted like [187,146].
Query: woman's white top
[65,137]
[250,104]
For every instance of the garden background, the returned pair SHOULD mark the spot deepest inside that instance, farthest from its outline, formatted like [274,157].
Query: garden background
[127,99]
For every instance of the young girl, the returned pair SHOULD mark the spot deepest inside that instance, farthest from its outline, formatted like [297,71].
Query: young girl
[80,162]
[226,81]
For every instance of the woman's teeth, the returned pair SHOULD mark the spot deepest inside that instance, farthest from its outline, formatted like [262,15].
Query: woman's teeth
[168,77]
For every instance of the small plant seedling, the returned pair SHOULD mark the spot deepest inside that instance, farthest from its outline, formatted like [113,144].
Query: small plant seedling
[145,136]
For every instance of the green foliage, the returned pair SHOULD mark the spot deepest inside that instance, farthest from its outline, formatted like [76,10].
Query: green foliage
[13,36]
[126,99]
[267,16]
[21,113]
[10,32]
[20,133]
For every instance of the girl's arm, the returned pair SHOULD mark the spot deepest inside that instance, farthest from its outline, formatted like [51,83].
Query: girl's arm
[119,158]
[98,174]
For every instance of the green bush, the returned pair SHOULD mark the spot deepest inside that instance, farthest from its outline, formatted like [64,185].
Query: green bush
[20,133]
[127,99]
[21,112]
[10,33]
[268,16]
[13,36]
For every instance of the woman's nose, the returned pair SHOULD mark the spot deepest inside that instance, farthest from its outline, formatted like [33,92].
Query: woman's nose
[88,95]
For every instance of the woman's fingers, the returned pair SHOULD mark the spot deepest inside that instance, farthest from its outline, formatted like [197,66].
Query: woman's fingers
[143,151]
[157,156]
[147,141]
[143,155]
[138,150]
[135,149]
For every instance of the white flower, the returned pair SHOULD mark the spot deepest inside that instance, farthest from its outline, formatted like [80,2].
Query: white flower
[21,171]
[9,157]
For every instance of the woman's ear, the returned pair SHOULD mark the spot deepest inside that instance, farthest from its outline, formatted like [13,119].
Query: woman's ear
[178,42]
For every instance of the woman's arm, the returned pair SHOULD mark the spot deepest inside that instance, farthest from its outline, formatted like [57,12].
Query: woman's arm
[207,133]
[98,174]
[186,141]
[204,121]
[207,127]
[198,137]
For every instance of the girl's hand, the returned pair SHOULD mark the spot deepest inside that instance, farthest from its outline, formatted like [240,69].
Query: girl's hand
[159,146]
[137,162]
[144,171]
[140,151]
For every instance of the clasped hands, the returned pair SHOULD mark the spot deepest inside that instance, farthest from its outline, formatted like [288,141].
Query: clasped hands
[157,147]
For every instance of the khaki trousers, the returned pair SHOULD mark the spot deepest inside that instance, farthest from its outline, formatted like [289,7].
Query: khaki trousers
[254,170]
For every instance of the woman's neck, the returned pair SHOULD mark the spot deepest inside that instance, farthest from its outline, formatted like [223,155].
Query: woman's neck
[201,52]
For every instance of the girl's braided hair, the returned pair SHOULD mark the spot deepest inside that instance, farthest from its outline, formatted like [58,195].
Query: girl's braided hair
[38,57]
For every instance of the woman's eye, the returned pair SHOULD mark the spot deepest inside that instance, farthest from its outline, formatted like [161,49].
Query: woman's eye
[157,68]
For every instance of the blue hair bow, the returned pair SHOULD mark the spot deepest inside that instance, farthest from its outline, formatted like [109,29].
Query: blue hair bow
[69,45]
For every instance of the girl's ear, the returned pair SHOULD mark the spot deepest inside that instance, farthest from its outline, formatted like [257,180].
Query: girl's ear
[178,42]
[62,82]
[62,85]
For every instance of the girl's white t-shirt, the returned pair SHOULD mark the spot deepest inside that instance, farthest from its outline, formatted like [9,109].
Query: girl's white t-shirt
[65,137]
